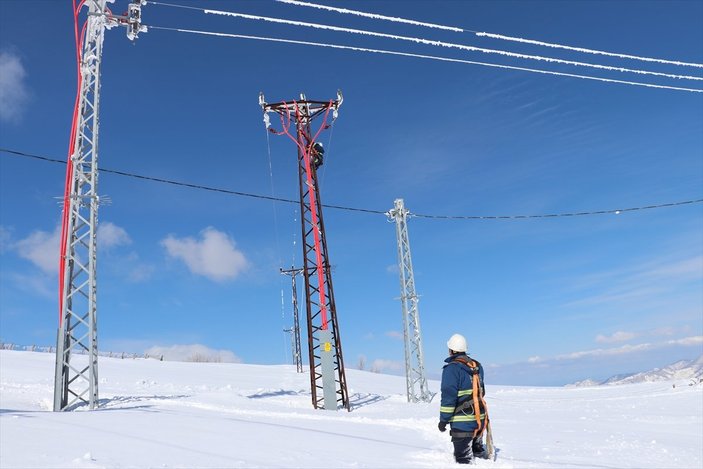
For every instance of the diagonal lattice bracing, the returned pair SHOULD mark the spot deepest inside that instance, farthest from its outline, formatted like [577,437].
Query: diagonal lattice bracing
[77,334]
[77,384]
[415,380]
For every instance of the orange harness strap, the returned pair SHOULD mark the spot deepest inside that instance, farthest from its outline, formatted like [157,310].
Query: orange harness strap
[476,395]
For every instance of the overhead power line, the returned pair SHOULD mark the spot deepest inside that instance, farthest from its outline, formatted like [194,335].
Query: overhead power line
[430,42]
[616,211]
[429,57]
[586,51]
[374,16]
[354,209]
[185,184]
[489,35]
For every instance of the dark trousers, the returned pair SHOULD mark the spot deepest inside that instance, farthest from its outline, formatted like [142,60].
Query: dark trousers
[463,451]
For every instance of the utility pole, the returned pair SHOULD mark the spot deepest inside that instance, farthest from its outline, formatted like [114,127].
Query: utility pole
[290,332]
[295,331]
[76,378]
[327,377]
[415,381]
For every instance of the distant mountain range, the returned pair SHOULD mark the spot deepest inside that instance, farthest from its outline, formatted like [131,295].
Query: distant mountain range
[691,370]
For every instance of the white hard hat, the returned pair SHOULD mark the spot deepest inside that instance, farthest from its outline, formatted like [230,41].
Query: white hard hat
[457,342]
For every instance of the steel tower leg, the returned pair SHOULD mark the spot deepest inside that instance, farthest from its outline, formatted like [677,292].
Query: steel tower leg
[327,375]
[414,361]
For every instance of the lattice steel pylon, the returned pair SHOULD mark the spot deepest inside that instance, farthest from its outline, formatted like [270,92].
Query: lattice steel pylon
[415,380]
[76,378]
[295,331]
[327,377]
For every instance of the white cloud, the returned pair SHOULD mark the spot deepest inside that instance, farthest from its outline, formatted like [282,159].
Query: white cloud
[395,335]
[141,273]
[393,269]
[42,249]
[669,331]
[627,349]
[638,284]
[687,269]
[624,349]
[110,235]
[618,336]
[687,341]
[597,363]
[193,353]
[13,89]
[214,256]
[5,239]
[36,285]
[129,266]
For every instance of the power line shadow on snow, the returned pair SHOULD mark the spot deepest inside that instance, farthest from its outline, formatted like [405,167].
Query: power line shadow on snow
[228,459]
[328,432]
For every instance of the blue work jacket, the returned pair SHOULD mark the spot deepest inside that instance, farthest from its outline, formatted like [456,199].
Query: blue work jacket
[457,388]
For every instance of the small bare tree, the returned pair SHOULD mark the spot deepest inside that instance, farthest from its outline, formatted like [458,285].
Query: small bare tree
[202,358]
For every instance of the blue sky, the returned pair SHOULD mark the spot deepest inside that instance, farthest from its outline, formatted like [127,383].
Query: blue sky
[541,301]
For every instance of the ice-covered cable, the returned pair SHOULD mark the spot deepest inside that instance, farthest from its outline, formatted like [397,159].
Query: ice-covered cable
[489,35]
[429,57]
[452,45]
[374,16]
[585,50]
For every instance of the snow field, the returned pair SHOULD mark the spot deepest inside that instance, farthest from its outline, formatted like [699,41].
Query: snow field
[173,414]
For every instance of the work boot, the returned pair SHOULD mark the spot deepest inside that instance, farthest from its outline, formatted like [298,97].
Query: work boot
[478,449]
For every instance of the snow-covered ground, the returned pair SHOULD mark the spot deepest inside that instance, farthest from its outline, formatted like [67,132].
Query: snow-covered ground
[171,414]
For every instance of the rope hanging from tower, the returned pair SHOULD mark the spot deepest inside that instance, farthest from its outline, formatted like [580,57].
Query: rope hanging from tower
[306,148]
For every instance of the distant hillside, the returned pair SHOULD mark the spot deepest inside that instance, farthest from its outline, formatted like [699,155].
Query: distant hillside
[691,370]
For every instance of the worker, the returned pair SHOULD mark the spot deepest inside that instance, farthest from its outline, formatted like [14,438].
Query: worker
[317,153]
[462,405]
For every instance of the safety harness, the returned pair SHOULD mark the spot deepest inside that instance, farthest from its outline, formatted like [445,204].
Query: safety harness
[475,406]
